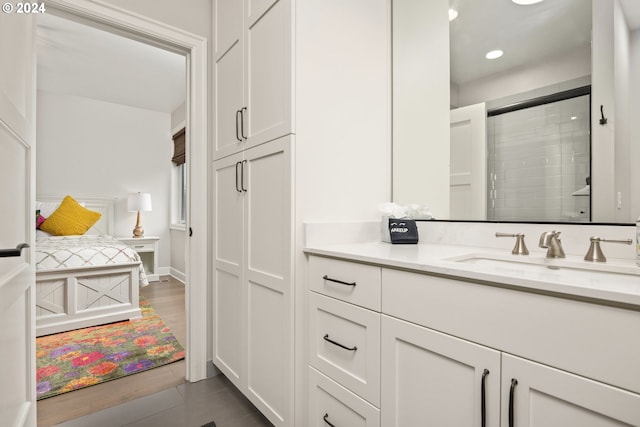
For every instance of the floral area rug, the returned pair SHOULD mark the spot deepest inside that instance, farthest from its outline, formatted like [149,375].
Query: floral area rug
[71,360]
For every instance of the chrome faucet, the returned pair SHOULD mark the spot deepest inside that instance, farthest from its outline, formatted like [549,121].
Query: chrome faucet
[550,240]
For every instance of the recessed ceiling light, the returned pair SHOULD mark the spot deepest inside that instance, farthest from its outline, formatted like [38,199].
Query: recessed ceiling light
[574,117]
[526,2]
[494,54]
[453,14]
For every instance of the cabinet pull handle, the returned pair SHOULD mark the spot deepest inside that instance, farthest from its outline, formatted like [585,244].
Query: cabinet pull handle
[514,383]
[242,122]
[327,421]
[238,113]
[326,338]
[483,399]
[237,187]
[4,253]
[242,177]
[325,277]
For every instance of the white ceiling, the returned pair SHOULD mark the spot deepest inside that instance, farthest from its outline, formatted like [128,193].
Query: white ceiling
[526,34]
[79,60]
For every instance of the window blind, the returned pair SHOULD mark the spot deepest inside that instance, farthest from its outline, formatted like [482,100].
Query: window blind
[179,139]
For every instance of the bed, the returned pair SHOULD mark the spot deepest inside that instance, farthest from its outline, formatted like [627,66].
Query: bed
[86,280]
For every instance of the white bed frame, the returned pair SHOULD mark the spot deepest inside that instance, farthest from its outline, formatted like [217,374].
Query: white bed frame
[73,298]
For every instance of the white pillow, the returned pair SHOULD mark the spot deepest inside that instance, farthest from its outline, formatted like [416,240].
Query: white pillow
[41,234]
[47,208]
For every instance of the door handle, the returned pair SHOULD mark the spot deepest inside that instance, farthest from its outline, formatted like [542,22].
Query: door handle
[242,187]
[483,399]
[4,253]
[242,123]
[238,113]
[514,383]
[238,189]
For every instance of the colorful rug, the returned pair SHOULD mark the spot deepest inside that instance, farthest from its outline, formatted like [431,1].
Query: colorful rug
[76,359]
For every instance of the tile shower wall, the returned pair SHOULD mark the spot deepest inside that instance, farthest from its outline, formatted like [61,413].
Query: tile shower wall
[537,159]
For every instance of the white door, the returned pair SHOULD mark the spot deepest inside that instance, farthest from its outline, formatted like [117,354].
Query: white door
[228,295]
[268,279]
[433,379]
[228,77]
[468,181]
[540,396]
[17,277]
[268,70]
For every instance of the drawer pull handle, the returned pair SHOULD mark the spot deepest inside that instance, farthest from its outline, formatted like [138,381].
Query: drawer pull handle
[483,399]
[325,277]
[327,421]
[514,383]
[139,246]
[326,338]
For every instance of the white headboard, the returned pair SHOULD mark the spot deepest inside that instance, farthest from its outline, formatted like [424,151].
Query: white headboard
[105,206]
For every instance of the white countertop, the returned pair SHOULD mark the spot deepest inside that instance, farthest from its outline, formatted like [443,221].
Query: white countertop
[571,276]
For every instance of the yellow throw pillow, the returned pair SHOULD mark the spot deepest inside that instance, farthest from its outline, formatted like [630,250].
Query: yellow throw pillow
[70,219]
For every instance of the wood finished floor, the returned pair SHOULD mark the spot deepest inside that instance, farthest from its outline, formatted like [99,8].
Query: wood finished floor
[159,397]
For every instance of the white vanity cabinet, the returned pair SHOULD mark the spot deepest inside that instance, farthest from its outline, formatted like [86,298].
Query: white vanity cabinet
[459,353]
[252,287]
[252,73]
[539,341]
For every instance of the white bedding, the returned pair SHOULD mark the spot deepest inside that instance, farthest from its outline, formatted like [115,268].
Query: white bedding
[59,252]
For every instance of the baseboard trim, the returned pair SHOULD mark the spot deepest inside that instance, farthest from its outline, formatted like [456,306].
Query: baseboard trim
[178,275]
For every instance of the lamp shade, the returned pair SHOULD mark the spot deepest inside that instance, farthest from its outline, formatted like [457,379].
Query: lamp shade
[139,202]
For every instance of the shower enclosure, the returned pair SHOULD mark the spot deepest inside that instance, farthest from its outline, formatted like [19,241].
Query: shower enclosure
[539,158]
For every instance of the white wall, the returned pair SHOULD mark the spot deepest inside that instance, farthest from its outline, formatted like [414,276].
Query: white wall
[420,96]
[622,106]
[94,148]
[178,235]
[634,137]
[547,72]
[191,15]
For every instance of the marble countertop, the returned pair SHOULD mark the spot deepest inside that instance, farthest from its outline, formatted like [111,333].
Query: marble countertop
[616,281]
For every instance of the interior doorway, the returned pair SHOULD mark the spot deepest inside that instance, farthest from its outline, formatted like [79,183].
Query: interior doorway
[193,48]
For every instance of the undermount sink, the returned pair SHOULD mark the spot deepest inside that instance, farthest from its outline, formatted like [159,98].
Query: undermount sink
[551,269]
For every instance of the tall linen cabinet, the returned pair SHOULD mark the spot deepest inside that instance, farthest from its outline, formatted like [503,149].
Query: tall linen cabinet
[301,132]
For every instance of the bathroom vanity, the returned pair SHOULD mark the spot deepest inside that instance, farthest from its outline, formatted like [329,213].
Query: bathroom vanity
[445,335]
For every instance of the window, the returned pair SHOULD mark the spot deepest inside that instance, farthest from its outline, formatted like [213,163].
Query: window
[179,198]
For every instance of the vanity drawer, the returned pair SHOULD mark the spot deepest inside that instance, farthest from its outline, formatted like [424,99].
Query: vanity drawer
[347,281]
[329,402]
[344,344]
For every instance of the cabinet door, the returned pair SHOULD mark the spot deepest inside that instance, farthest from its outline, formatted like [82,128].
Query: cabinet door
[228,76]
[268,282]
[268,71]
[433,379]
[547,397]
[228,294]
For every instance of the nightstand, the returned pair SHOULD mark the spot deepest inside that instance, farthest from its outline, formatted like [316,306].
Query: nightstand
[147,248]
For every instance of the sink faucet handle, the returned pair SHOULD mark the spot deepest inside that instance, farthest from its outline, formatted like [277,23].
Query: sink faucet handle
[595,252]
[520,248]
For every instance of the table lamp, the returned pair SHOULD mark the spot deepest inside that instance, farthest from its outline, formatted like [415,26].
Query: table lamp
[138,202]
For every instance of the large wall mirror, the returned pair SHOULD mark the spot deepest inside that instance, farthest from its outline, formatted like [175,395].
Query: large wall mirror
[520,137]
